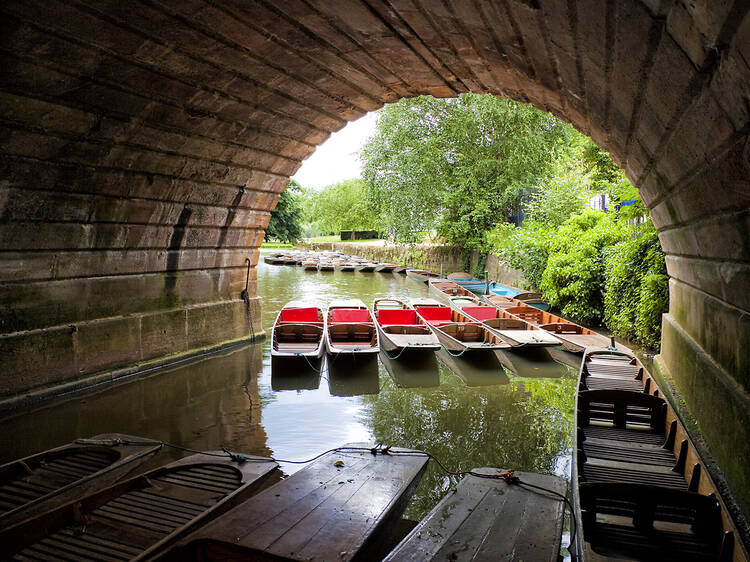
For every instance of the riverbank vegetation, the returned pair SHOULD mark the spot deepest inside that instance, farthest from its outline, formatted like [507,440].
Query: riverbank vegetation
[490,175]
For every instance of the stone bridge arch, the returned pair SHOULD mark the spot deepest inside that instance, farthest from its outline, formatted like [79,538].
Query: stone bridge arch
[144,143]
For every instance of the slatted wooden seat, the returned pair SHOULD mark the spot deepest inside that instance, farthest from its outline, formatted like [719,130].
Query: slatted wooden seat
[640,522]
[138,517]
[616,450]
[52,478]
[611,370]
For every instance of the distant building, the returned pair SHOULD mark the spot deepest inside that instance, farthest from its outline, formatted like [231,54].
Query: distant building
[600,202]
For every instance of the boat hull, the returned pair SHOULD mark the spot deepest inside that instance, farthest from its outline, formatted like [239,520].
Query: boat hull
[398,338]
[635,494]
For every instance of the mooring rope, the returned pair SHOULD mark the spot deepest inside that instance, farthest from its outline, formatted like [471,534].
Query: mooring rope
[507,476]
[399,354]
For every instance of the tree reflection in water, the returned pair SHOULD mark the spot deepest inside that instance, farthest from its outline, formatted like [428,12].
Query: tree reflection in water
[525,425]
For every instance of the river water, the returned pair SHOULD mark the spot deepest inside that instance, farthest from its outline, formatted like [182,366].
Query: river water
[510,410]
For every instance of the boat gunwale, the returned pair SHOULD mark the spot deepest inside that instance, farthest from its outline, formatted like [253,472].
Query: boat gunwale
[331,347]
[318,351]
[651,387]
[387,343]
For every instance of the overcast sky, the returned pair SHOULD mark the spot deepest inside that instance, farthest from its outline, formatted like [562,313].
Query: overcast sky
[336,159]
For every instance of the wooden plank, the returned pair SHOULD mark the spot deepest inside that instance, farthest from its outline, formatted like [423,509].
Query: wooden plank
[144,514]
[322,512]
[62,474]
[489,519]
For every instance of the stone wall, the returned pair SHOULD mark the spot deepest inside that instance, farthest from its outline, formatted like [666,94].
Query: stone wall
[432,257]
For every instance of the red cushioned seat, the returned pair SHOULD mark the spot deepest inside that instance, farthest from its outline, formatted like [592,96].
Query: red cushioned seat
[299,315]
[480,312]
[339,315]
[390,316]
[435,314]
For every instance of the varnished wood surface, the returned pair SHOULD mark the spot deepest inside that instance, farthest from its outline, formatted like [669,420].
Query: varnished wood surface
[333,509]
[49,479]
[490,520]
[138,518]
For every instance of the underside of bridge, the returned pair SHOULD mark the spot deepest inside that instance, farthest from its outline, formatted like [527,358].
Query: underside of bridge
[144,143]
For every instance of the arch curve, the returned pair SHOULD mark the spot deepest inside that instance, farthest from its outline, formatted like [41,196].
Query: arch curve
[144,144]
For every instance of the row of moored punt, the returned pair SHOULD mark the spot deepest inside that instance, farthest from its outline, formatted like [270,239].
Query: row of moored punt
[458,320]
[331,261]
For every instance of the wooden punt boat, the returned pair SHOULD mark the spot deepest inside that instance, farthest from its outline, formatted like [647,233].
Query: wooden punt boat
[400,269]
[309,264]
[273,259]
[346,266]
[516,523]
[385,267]
[421,275]
[40,482]
[530,298]
[350,329]
[367,267]
[298,331]
[468,282]
[443,289]
[401,328]
[512,331]
[325,266]
[501,302]
[574,338]
[641,491]
[342,507]
[456,332]
[140,517]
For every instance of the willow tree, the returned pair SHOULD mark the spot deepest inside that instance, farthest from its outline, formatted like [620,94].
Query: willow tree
[458,166]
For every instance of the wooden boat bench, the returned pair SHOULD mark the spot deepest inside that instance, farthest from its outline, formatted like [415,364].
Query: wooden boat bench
[611,370]
[436,315]
[623,440]
[139,517]
[286,333]
[640,522]
[335,509]
[46,480]
[490,520]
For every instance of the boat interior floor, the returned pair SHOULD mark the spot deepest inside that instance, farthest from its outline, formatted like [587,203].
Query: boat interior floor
[635,499]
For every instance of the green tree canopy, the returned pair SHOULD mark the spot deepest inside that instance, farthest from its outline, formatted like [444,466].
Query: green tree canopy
[456,165]
[343,206]
[286,219]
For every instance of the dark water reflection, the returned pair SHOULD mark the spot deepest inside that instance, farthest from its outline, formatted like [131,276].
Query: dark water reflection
[510,410]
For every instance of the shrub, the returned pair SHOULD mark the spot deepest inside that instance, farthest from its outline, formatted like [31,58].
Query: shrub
[573,279]
[636,291]
[526,248]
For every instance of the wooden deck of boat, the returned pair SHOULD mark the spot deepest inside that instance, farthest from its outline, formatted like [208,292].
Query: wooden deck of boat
[140,517]
[489,519]
[46,480]
[642,490]
[336,508]
[582,342]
